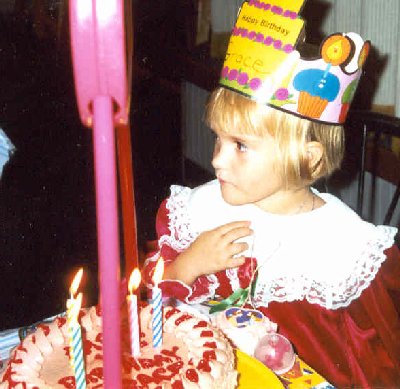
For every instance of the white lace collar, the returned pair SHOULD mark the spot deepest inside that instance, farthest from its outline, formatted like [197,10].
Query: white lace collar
[327,256]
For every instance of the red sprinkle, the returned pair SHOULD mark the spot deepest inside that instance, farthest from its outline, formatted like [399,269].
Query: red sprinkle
[177,384]
[7,377]
[182,318]
[191,375]
[22,348]
[45,329]
[175,367]
[95,375]
[99,337]
[171,312]
[144,379]
[171,353]
[130,363]
[128,383]
[61,321]
[88,346]
[210,344]
[209,355]
[160,359]
[160,374]
[200,324]
[143,343]
[68,382]
[205,334]
[203,365]
[146,363]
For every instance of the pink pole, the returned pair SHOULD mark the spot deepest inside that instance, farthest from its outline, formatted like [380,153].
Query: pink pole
[107,237]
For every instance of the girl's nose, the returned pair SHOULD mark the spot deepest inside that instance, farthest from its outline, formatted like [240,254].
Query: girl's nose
[220,157]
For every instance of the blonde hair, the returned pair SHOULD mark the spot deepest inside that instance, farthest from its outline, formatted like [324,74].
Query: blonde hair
[233,113]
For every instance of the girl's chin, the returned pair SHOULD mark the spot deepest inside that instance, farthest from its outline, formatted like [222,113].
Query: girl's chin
[231,198]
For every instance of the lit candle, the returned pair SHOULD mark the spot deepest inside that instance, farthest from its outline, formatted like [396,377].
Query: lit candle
[75,343]
[134,281]
[157,304]
[73,289]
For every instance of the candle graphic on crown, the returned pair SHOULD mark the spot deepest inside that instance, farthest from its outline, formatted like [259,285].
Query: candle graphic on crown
[133,284]
[74,331]
[156,301]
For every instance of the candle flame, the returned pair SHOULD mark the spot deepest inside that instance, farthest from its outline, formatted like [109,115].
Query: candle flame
[75,282]
[158,271]
[134,280]
[76,308]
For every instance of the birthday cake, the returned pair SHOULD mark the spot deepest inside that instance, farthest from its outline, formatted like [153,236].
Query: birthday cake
[194,354]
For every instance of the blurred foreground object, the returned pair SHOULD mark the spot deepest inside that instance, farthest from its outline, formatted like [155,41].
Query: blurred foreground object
[6,150]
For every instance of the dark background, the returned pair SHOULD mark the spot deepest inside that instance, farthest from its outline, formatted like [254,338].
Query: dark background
[47,200]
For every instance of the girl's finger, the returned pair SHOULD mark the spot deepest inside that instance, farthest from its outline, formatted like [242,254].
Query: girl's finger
[237,248]
[226,228]
[235,262]
[237,233]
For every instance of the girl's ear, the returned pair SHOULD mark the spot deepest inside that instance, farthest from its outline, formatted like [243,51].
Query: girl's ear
[314,152]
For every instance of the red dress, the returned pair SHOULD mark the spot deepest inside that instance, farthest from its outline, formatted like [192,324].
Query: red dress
[354,345]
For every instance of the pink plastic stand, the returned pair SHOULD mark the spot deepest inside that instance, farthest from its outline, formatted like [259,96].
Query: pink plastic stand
[100,72]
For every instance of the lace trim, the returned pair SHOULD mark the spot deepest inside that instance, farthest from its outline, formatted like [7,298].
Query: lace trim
[233,278]
[331,296]
[181,235]
[213,284]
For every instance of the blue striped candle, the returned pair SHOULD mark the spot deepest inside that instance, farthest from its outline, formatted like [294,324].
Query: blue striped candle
[157,316]
[76,354]
[75,341]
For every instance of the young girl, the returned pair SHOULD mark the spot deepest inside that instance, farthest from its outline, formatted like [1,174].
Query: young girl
[261,232]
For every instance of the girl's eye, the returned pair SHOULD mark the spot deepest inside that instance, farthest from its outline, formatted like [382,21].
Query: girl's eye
[241,147]
[215,136]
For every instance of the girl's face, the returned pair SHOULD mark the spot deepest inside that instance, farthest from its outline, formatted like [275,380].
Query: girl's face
[244,166]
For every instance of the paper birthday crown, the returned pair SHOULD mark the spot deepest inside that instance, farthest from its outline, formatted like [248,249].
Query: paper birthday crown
[262,63]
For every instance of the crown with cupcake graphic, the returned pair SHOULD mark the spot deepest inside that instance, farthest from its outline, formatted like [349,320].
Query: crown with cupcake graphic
[263,64]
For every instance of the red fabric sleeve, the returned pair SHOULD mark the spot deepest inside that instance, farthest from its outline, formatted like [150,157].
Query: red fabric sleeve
[171,288]
[357,346]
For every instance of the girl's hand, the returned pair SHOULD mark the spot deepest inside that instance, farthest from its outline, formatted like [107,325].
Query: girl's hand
[212,251]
